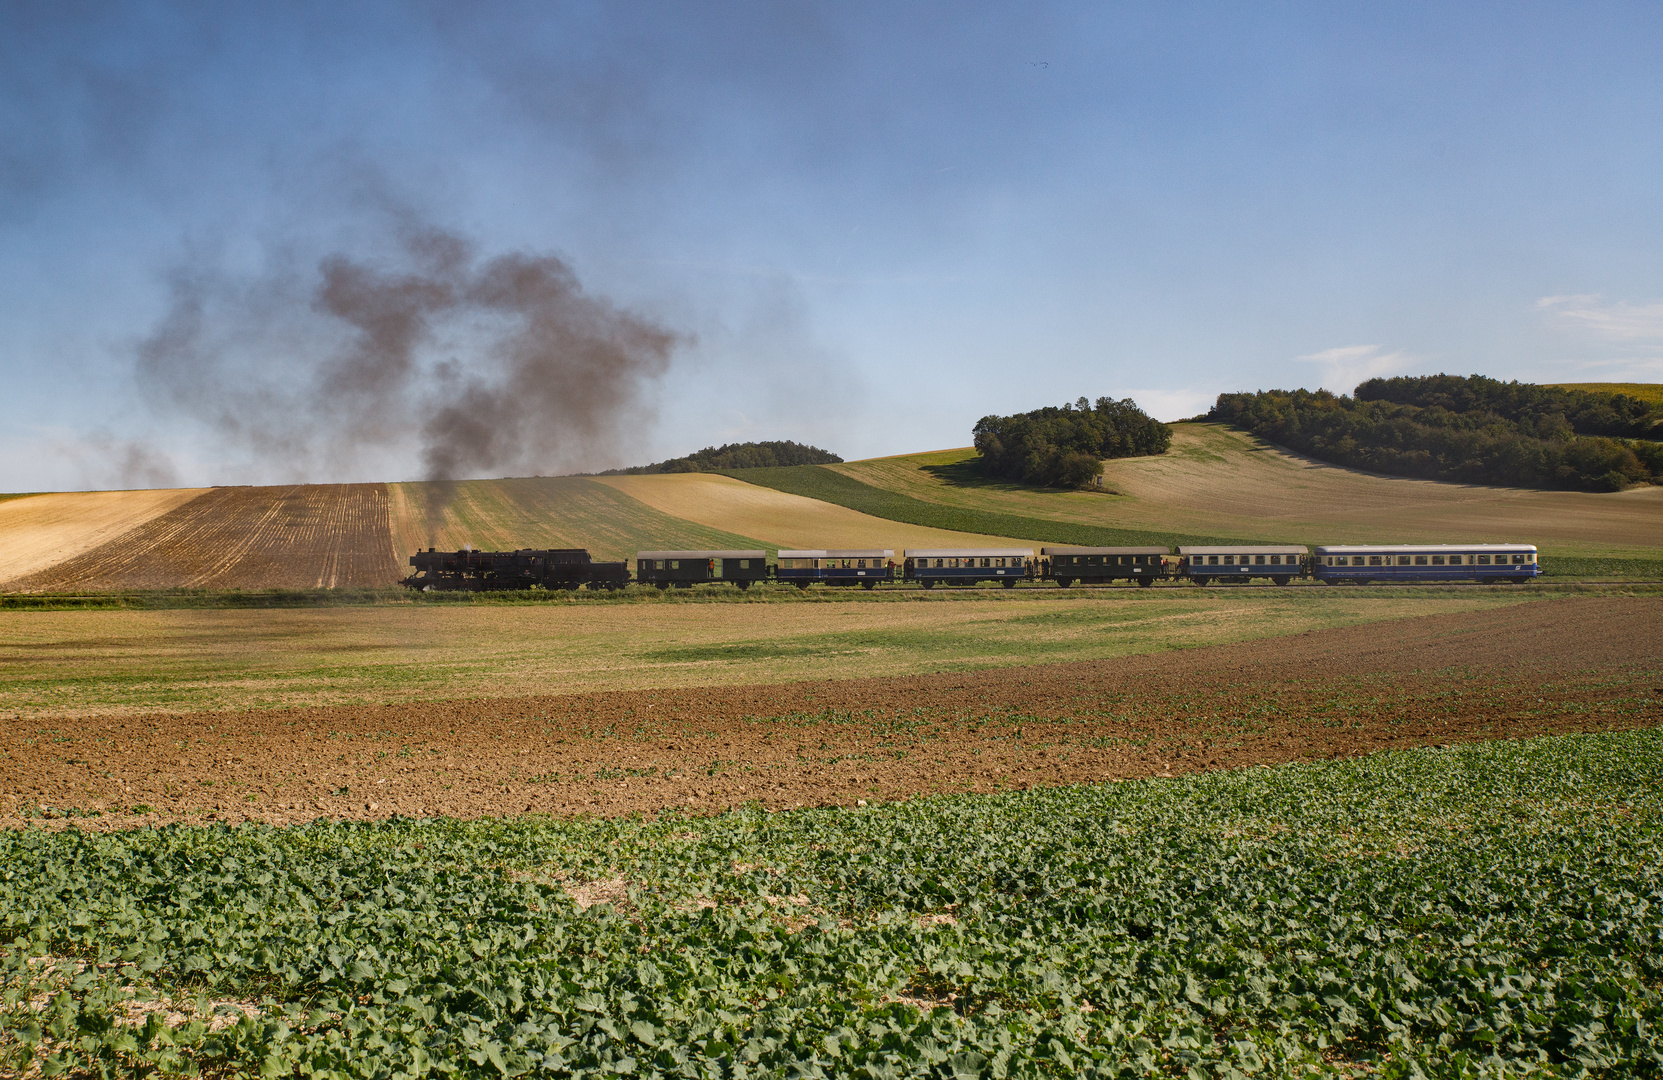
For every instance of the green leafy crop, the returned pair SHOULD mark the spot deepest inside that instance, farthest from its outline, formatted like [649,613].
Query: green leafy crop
[1487,910]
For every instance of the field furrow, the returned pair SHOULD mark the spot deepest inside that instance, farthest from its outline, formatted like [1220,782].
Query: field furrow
[295,536]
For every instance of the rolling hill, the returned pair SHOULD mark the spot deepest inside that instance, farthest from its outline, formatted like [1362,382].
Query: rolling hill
[1215,482]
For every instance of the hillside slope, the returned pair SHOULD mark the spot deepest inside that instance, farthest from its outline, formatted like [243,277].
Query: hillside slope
[787,520]
[1219,481]
[547,512]
[39,531]
[294,536]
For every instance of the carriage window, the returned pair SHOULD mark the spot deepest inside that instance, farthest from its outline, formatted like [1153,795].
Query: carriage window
[986,562]
[1374,560]
[1483,560]
[1420,560]
[1276,560]
[1437,560]
[675,564]
[1258,560]
[1212,560]
[1518,560]
[1403,560]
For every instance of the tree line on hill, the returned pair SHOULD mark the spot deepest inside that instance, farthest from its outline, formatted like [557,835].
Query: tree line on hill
[1065,447]
[1473,429]
[751,455]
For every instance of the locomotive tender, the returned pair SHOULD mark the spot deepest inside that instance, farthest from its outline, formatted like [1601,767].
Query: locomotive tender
[571,568]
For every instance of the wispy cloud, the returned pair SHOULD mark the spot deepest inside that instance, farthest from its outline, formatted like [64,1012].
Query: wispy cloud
[1346,366]
[1612,321]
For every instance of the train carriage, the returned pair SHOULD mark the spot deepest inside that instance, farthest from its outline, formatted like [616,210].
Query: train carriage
[1280,563]
[683,568]
[866,567]
[967,566]
[1363,563]
[1066,565]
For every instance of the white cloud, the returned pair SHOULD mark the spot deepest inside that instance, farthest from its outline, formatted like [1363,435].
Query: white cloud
[1346,366]
[1614,321]
[1167,405]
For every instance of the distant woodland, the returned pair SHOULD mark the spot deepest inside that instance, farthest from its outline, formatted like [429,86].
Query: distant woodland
[1065,447]
[1473,429]
[751,455]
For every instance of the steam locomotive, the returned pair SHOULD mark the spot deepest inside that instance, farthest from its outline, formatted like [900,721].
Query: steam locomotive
[572,568]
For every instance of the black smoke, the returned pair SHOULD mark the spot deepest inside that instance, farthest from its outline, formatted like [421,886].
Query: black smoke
[474,366]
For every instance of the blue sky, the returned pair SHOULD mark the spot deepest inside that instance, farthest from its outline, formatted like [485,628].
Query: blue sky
[861,226]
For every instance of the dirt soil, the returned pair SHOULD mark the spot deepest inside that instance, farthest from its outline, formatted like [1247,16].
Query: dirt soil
[300,536]
[1526,670]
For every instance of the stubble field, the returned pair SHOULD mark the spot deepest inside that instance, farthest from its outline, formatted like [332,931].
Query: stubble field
[1104,695]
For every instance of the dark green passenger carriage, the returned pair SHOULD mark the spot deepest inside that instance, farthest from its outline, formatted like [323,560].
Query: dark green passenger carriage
[683,568]
[1092,565]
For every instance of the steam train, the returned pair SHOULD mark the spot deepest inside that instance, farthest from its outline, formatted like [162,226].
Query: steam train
[867,568]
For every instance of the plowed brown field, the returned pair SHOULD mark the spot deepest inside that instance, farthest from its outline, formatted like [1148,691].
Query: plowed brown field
[1528,669]
[296,536]
[40,531]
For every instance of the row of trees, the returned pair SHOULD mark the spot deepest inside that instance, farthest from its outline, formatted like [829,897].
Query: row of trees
[751,455]
[1065,447]
[1474,430]
[1547,411]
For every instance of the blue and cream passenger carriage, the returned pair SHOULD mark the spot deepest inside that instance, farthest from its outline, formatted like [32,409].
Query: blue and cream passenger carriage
[666,568]
[865,567]
[1280,563]
[1363,563]
[966,566]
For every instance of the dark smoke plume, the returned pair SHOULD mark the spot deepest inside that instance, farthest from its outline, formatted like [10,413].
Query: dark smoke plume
[318,368]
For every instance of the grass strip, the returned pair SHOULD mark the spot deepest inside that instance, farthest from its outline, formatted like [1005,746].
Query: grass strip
[1470,911]
[827,485]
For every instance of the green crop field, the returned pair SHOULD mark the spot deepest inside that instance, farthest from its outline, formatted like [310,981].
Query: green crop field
[1487,910]
[828,484]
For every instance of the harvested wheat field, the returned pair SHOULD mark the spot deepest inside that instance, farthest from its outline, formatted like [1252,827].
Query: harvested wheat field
[1527,669]
[1218,481]
[541,512]
[40,531]
[784,520]
[296,536]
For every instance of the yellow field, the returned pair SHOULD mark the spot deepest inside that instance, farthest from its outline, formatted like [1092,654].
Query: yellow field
[1644,391]
[39,531]
[788,521]
[1220,481]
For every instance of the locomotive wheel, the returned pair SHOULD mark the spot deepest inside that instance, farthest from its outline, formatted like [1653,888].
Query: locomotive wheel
[1144,583]
[1280,579]
[743,584]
